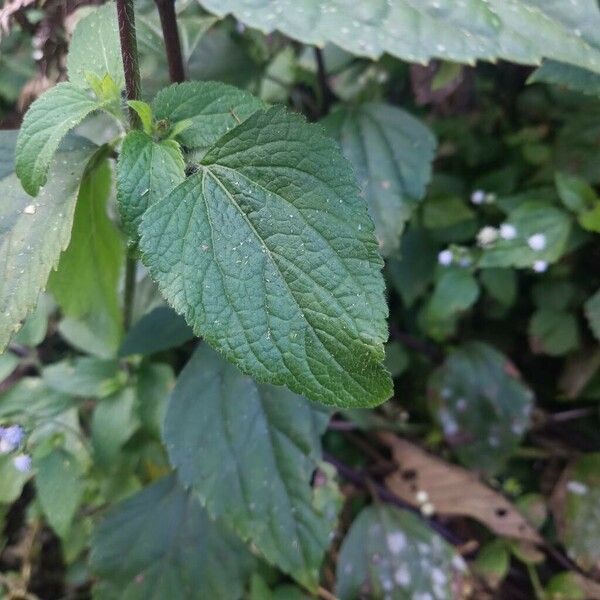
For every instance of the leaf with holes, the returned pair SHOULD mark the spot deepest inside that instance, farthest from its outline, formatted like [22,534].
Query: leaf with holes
[391,152]
[481,405]
[391,553]
[160,543]
[269,253]
[260,446]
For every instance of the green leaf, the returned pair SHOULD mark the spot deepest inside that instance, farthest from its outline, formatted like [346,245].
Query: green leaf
[259,446]
[96,48]
[391,152]
[34,328]
[575,193]
[8,363]
[481,405]
[159,330]
[29,402]
[86,283]
[530,219]
[46,123]
[391,553]
[455,291]
[147,172]
[576,509]
[59,487]
[592,312]
[13,480]
[144,112]
[114,421]
[212,108]
[155,381]
[417,32]
[269,253]
[553,332]
[500,284]
[493,562]
[446,211]
[160,543]
[33,233]
[84,376]
[569,76]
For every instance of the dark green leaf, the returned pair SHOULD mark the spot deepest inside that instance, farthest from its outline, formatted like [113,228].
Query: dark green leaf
[269,253]
[259,446]
[160,543]
[592,312]
[553,332]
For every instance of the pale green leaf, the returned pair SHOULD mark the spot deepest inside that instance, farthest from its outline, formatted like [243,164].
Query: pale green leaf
[259,446]
[147,172]
[8,363]
[86,282]
[419,30]
[391,553]
[391,152]
[481,404]
[59,488]
[155,381]
[569,76]
[160,543]
[553,332]
[12,480]
[84,376]
[96,48]
[212,109]
[269,253]
[46,123]
[33,233]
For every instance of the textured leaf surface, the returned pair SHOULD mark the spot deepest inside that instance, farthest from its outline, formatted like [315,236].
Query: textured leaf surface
[96,48]
[391,553]
[269,253]
[59,488]
[160,543]
[391,152]
[46,123]
[33,233]
[212,109]
[259,446]
[481,405]
[576,505]
[86,282]
[418,30]
[147,171]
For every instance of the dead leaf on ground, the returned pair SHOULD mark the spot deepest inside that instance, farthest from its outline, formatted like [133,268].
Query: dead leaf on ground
[452,491]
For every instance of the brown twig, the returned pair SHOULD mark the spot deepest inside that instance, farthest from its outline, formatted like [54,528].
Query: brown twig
[168,21]
[129,54]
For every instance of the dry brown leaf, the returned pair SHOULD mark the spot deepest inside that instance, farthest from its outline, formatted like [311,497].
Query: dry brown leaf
[452,490]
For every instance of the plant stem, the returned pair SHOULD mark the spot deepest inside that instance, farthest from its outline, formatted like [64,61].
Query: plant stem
[168,21]
[129,295]
[129,54]
[131,68]
[326,96]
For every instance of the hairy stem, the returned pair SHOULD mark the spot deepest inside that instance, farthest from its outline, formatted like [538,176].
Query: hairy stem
[129,54]
[131,68]
[168,21]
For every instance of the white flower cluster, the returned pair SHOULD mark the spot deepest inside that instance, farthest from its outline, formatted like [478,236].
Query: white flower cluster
[480,197]
[459,256]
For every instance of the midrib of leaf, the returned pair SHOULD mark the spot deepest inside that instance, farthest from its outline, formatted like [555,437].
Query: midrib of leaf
[317,332]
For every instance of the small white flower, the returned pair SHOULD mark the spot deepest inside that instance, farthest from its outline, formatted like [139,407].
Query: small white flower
[478,197]
[539,266]
[537,242]
[427,509]
[490,198]
[22,462]
[508,231]
[576,487]
[422,496]
[486,236]
[445,257]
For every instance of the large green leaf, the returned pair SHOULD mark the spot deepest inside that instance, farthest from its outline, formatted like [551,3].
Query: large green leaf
[391,553]
[95,47]
[391,152]
[33,233]
[87,280]
[419,30]
[269,253]
[160,543]
[211,109]
[481,405]
[259,446]
[147,171]
[46,123]
[592,312]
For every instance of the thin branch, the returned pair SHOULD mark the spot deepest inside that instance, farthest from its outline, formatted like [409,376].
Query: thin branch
[326,95]
[129,293]
[129,54]
[168,21]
